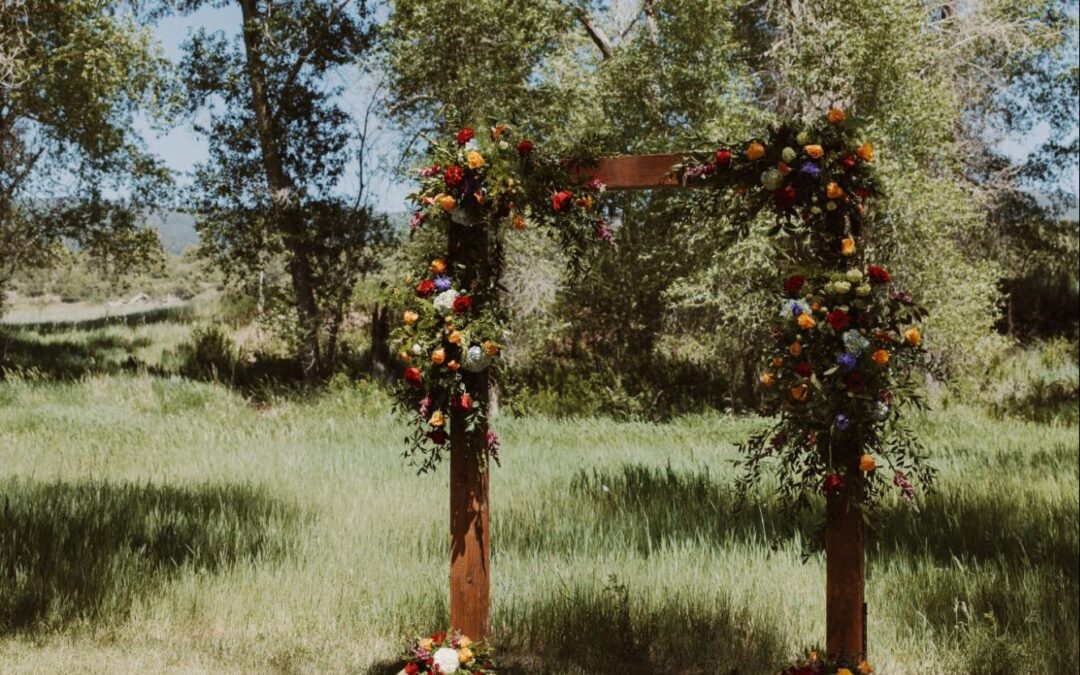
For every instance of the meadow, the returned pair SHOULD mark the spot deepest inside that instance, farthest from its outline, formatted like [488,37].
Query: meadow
[152,523]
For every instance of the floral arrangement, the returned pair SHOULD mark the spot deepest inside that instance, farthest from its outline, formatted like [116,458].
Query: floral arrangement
[452,327]
[815,665]
[448,653]
[816,179]
[847,344]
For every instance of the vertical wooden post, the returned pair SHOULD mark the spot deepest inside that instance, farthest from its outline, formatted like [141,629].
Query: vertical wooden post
[845,575]
[470,557]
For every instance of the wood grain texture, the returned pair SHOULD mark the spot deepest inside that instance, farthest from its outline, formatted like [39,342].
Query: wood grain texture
[845,576]
[470,533]
[635,172]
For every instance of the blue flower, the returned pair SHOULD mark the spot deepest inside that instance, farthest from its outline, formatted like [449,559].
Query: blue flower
[793,308]
[842,422]
[811,169]
[847,361]
[855,342]
[443,282]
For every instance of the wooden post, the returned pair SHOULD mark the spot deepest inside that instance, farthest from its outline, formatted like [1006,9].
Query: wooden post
[845,576]
[470,533]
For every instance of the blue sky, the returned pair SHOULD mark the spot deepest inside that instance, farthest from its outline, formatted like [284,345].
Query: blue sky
[181,148]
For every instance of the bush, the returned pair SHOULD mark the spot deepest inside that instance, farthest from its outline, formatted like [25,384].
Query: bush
[1040,383]
[209,354]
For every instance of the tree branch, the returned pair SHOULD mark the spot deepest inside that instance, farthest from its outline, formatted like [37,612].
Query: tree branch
[599,38]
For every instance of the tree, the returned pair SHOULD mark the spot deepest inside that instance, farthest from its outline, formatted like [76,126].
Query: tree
[73,75]
[280,144]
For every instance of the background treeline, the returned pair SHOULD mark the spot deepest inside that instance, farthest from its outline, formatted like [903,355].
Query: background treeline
[982,229]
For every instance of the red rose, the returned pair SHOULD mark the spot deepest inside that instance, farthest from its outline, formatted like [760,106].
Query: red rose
[794,283]
[438,437]
[464,402]
[426,288]
[525,147]
[465,135]
[412,669]
[804,369]
[839,319]
[454,176]
[878,274]
[784,197]
[560,201]
[722,157]
[462,303]
[833,482]
[861,193]
[439,637]
[849,162]
[413,376]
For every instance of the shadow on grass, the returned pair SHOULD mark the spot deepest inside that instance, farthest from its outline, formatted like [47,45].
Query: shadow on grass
[175,313]
[59,359]
[644,508]
[86,551]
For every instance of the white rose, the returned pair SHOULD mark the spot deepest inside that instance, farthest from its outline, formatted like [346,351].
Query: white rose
[803,138]
[841,287]
[446,659]
[863,290]
[475,359]
[772,179]
[831,205]
[788,155]
[854,276]
[417,349]
[444,302]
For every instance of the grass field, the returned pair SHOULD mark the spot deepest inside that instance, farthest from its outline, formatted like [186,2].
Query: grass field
[151,523]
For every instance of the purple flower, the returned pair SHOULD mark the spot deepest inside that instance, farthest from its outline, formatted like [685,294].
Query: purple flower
[425,406]
[779,440]
[492,440]
[604,232]
[811,169]
[906,489]
[842,422]
[442,282]
[847,361]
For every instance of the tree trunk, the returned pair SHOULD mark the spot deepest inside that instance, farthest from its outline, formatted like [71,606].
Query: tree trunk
[380,348]
[282,195]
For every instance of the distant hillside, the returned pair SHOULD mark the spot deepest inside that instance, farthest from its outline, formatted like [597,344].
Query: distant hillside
[177,231]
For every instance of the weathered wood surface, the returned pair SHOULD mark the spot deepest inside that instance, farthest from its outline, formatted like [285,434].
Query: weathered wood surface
[635,172]
[845,576]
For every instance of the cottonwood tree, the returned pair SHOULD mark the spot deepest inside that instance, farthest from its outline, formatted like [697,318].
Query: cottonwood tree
[73,170]
[280,144]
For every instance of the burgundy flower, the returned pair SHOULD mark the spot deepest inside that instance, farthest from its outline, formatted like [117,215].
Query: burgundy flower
[603,232]
[839,319]
[464,402]
[525,147]
[454,176]
[462,303]
[491,438]
[722,157]
[465,135]
[413,376]
[849,162]
[784,197]
[426,288]
[833,482]
[562,200]
[437,436]
[855,383]
[794,283]
[803,369]
[878,274]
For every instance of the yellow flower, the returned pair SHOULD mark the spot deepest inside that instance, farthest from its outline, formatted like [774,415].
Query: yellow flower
[833,191]
[464,641]
[768,379]
[518,222]
[410,317]
[843,671]
[880,357]
[586,202]
[438,266]
[454,337]
[446,202]
[438,356]
[426,644]
[836,116]
[490,348]
[465,655]
[475,159]
[800,392]
[867,463]
[866,152]
[437,419]
[913,336]
[806,322]
[815,151]
[404,356]
[847,246]
[795,348]
[865,668]
[755,151]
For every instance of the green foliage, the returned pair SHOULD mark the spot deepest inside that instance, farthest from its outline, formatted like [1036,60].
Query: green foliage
[1039,383]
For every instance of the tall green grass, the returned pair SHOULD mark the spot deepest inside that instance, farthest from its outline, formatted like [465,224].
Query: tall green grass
[152,523]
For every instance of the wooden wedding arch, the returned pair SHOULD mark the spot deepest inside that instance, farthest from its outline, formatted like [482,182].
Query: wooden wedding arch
[470,557]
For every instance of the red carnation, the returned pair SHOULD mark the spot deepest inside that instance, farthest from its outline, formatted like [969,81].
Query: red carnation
[560,201]
[794,283]
[412,669]
[426,288]
[878,274]
[839,319]
[464,402]
[804,369]
[465,135]
[439,637]
[454,176]
[722,157]
[462,303]
[525,147]
[438,437]
[413,376]
[784,197]
[833,482]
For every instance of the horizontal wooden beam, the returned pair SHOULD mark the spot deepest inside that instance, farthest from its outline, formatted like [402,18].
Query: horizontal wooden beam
[635,172]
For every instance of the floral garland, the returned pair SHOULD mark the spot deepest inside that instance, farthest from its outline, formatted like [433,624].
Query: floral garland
[445,653]
[815,665]
[452,329]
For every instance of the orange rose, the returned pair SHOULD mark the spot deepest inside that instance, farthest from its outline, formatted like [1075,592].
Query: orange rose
[410,317]
[836,116]
[833,191]
[880,357]
[755,151]
[800,392]
[867,463]
[913,336]
[768,379]
[806,322]
[438,266]
[866,152]
[796,348]
[847,246]
[453,366]
[815,151]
